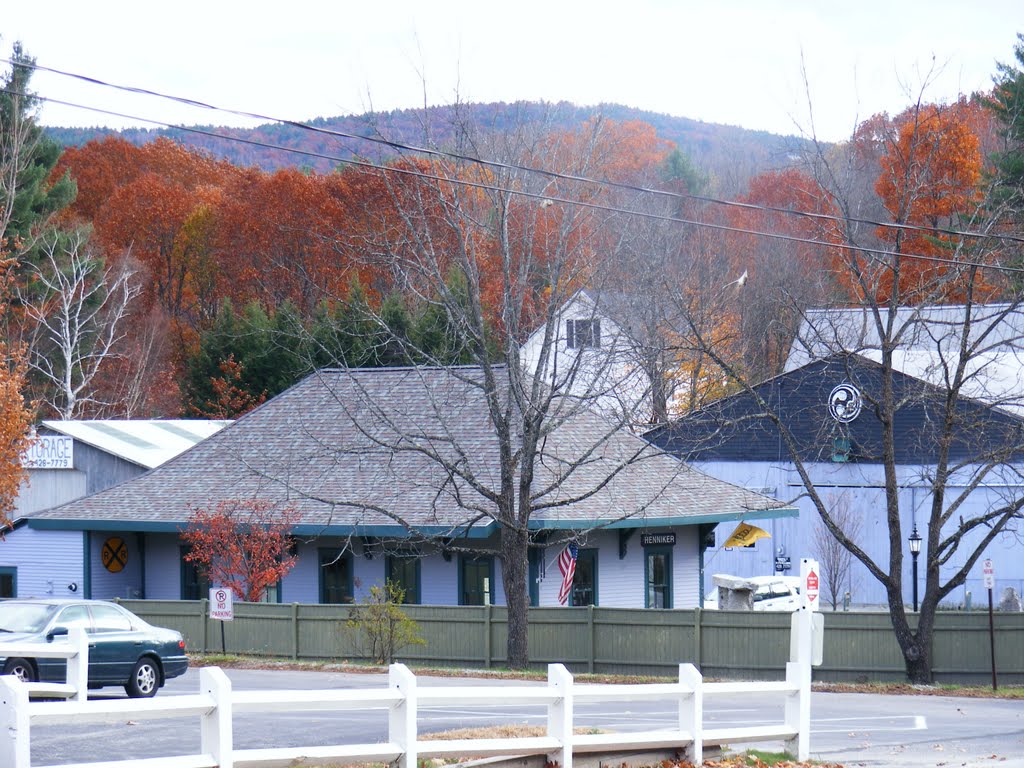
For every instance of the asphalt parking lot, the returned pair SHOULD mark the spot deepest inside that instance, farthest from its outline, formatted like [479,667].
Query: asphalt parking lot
[855,729]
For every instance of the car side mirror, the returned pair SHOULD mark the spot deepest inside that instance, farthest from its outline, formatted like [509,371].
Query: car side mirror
[55,632]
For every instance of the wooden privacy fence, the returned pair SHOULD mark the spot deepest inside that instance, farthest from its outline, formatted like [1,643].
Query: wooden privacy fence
[722,644]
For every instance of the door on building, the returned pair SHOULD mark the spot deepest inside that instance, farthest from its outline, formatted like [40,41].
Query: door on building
[658,575]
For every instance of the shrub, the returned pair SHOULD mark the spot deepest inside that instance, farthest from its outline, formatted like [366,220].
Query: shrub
[380,627]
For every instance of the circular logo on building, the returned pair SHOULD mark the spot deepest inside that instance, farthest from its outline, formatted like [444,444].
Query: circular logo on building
[844,403]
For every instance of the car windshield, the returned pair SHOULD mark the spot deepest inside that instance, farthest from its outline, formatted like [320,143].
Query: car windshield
[24,617]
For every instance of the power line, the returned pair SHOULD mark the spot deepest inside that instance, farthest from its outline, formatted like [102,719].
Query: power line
[530,169]
[535,195]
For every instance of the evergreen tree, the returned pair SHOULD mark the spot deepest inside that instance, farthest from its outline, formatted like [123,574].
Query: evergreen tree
[344,334]
[677,167]
[1008,103]
[436,334]
[27,157]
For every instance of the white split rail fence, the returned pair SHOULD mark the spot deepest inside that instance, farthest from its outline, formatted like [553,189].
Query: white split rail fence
[75,648]
[217,704]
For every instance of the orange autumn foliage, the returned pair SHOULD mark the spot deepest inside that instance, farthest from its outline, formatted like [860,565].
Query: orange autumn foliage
[788,190]
[15,414]
[930,172]
[205,231]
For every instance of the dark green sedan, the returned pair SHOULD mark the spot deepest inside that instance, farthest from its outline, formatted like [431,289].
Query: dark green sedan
[123,649]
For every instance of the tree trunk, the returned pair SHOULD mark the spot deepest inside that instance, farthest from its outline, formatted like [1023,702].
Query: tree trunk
[916,645]
[514,572]
[918,660]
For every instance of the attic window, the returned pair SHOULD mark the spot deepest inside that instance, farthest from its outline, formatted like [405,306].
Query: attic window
[580,334]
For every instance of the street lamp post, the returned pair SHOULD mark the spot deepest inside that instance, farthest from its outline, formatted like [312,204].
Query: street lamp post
[915,550]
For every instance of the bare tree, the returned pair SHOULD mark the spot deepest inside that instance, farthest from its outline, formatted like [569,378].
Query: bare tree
[496,252]
[835,559]
[79,307]
[916,295]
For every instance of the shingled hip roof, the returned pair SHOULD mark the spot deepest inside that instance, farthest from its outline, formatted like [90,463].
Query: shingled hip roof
[382,451]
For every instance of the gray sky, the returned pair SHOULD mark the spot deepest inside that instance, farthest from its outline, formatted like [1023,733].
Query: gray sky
[733,61]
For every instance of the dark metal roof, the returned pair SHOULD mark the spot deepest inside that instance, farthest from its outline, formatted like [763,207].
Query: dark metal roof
[736,428]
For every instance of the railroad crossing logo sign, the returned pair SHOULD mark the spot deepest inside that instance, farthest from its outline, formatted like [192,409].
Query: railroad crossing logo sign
[114,554]
[844,403]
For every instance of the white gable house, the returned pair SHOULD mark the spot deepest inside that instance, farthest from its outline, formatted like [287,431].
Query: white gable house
[592,358]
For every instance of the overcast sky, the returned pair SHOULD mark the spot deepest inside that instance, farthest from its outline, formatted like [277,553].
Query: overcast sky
[734,61]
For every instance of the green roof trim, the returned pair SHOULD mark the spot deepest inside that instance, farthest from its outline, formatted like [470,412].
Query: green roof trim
[481,531]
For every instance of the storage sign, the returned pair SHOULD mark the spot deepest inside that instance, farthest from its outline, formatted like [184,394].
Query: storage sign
[50,452]
[221,606]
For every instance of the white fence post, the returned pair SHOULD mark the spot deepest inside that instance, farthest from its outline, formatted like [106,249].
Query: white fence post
[798,674]
[14,723]
[691,713]
[402,728]
[215,730]
[78,665]
[560,714]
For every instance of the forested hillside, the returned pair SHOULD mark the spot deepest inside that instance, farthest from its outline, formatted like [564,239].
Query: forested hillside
[727,154]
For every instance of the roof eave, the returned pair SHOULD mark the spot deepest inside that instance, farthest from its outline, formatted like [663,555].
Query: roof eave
[304,529]
[665,522]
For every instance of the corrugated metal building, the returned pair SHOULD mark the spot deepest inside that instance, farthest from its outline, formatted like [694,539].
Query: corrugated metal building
[71,459]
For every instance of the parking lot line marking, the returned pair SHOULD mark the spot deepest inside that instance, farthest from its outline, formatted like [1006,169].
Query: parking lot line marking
[917,723]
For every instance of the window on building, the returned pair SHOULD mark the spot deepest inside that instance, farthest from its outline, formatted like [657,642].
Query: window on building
[404,571]
[272,594]
[535,558]
[8,581]
[476,580]
[584,581]
[580,334]
[841,449]
[658,575]
[195,584]
[335,577]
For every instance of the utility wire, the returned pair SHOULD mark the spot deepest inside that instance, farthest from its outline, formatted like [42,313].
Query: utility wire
[534,195]
[529,169]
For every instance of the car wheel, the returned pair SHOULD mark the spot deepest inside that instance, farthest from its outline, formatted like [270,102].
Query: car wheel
[21,669]
[145,679]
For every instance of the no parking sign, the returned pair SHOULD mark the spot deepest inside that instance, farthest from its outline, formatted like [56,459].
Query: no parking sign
[221,606]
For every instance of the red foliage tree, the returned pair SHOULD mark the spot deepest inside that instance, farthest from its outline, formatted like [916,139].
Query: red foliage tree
[929,164]
[242,544]
[277,240]
[15,413]
[231,401]
[783,273]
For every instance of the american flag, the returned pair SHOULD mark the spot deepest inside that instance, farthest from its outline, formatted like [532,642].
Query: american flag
[567,565]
